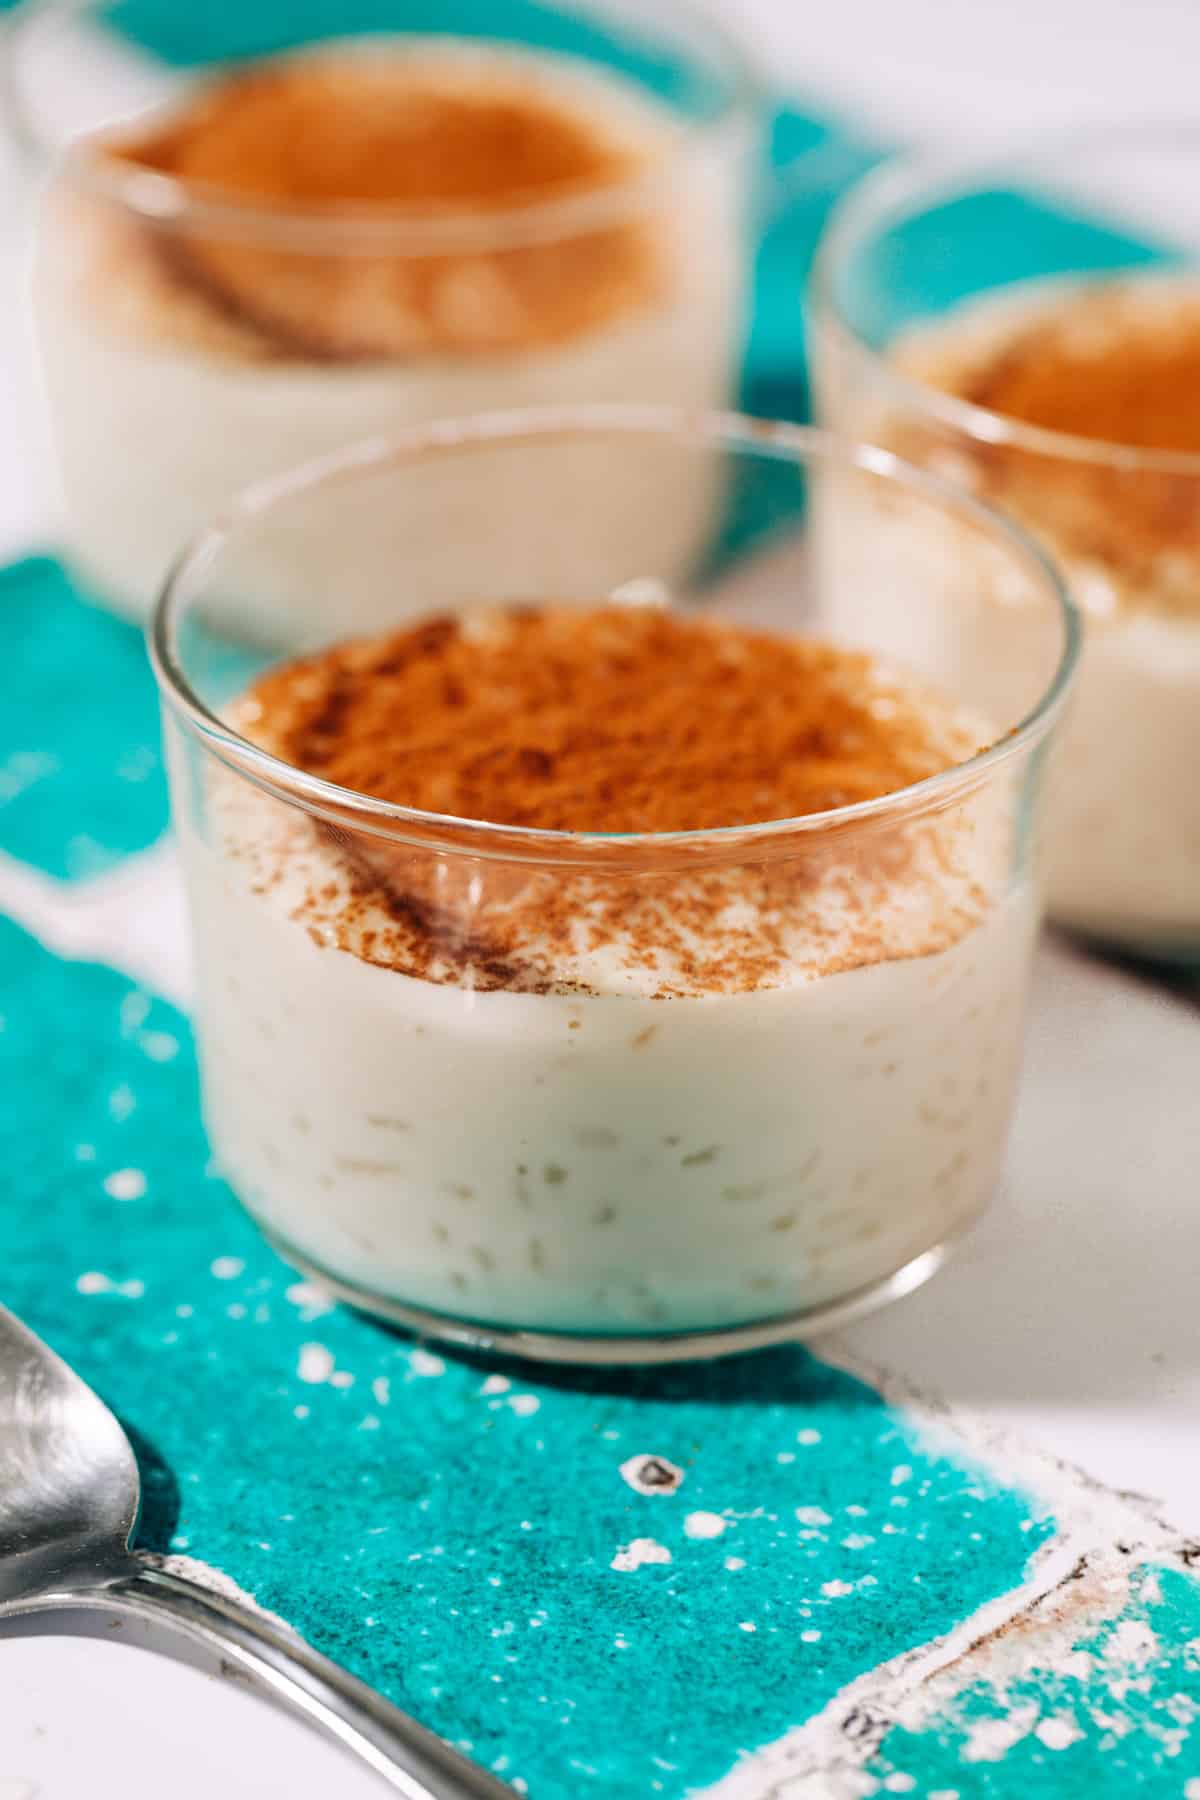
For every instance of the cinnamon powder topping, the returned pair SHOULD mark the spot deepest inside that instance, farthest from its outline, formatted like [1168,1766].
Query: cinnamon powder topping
[1114,363]
[436,140]
[1103,365]
[610,720]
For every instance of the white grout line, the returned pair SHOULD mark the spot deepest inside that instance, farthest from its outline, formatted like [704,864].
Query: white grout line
[133,918]
[1103,1533]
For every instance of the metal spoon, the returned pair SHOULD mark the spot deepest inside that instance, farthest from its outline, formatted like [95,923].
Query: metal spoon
[69,1500]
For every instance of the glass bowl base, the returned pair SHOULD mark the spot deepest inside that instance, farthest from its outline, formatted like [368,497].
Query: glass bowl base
[623,1348]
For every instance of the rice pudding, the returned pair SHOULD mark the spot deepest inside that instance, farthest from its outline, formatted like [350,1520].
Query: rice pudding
[591,1088]
[1093,393]
[362,238]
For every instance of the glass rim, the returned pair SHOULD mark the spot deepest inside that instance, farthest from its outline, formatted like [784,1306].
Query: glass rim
[712,431]
[370,227]
[906,187]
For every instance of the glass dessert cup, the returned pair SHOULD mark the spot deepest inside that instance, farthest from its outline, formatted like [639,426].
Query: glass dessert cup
[1028,327]
[604,1097]
[207,316]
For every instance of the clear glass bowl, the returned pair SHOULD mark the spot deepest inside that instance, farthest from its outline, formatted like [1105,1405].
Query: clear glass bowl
[937,266]
[539,1151]
[196,338]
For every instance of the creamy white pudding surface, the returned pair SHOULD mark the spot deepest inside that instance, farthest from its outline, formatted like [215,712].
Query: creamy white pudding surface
[187,358]
[1114,365]
[606,1098]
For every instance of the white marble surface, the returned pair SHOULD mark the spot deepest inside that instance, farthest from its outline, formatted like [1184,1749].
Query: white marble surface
[1071,1319]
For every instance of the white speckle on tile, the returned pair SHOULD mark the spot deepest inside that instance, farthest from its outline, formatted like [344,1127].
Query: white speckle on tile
[159,1046]
[235,1310]
[943,1794]
[121,1102]
[1057,1733]
[704,1525]
[854,1511]
[811,1636]
[734,1563]
[651,1474]
[125,1184]
[808,1437]
[312,1300]
[813,1515]
[368,1422]
[899,1783]
[341,1378]
[300,1412]
[786,1456]
[315,1364]
[496,1384]
[857,1540]
[93,1282]
[424,1362]
[835,1590]
[1132,1641]
[901,1473]
[990,1740]
[185,1311]
[641,1550]
[1191,1789]
[747,1625]
[135,1009]
[381,1388]
[524,1405]
[227,1268]
[85,1153]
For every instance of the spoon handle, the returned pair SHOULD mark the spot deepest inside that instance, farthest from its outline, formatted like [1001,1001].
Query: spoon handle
[192,1623]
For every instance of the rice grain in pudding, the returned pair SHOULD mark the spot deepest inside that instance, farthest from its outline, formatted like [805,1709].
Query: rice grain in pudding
[1107,373]
[395,233]
[603,1096]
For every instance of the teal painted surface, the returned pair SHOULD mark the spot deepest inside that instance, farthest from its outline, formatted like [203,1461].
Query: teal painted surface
[196,36]
[81,781]
[448,1537]
[977,243]
[1118,1714]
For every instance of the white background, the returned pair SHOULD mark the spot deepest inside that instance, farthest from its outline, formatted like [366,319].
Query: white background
[1072,1318]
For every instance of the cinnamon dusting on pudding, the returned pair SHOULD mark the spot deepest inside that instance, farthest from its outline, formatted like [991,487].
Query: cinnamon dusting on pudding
[1114,363]
[390,137]
[611,720]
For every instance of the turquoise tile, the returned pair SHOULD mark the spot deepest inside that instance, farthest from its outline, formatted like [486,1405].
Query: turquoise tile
[81,781]
[1117,1714]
